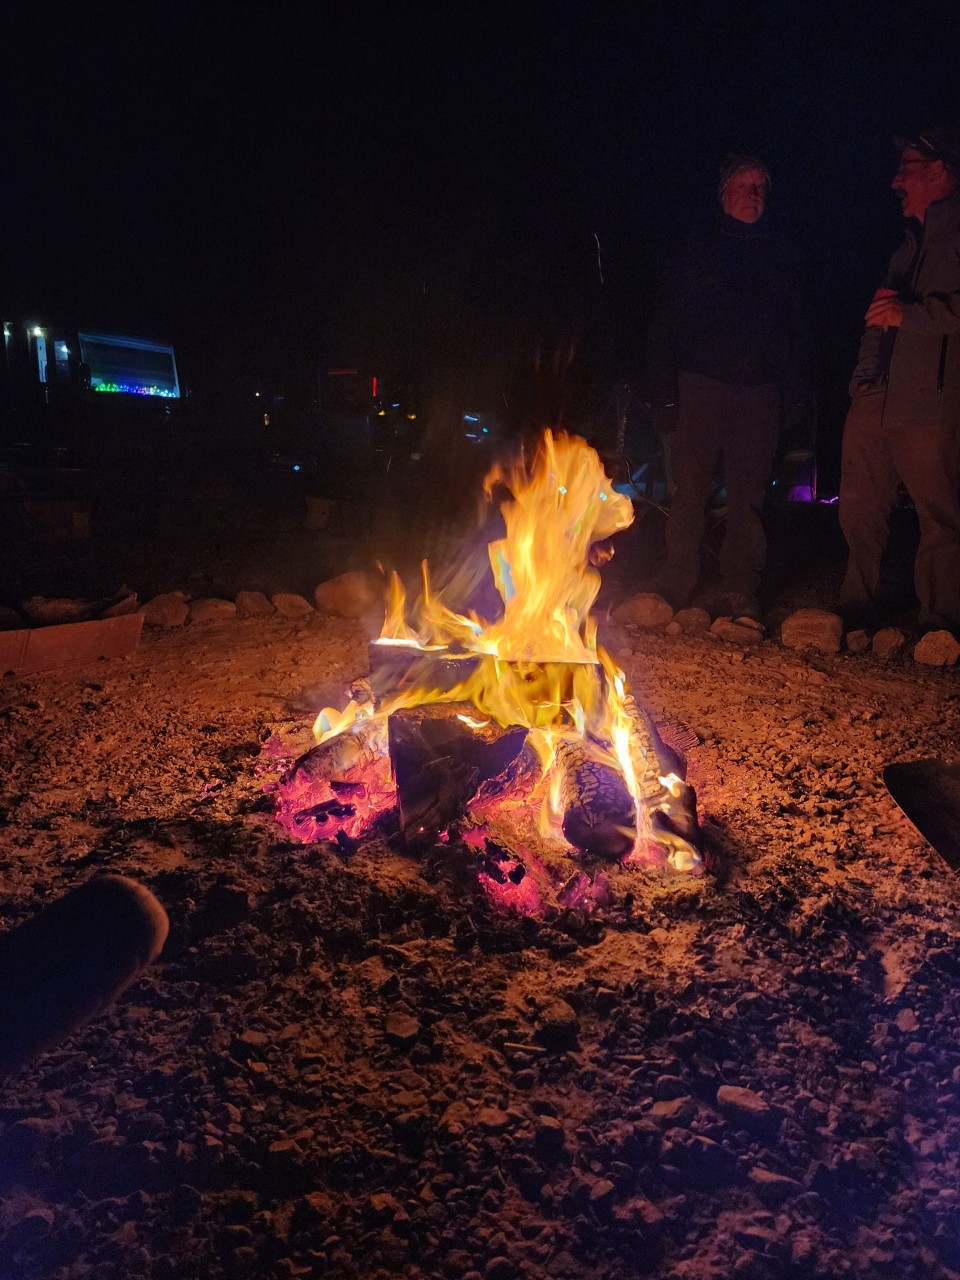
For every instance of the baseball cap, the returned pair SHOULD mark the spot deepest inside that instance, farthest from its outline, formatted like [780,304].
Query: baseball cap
[938,141]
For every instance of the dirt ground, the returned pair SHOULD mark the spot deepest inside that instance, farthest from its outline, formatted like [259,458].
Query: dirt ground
[348,1064]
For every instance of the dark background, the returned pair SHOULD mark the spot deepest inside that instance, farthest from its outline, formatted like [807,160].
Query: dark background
[422,190]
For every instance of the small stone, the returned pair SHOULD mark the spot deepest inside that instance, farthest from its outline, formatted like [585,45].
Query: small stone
[693,621]
[559,1026]
[812,629]
[350,595]
[937,649]
[549,1138]
[773,1188]
[889,642]
[907,1020]
[499,1268]
[601,1195]
[253,604]
[402,1029]
[290,605]
[492,1119]
[737,632]
[166,611]
[743,1105]
[857,641]
[669,1087]
[210,609]
[644,610]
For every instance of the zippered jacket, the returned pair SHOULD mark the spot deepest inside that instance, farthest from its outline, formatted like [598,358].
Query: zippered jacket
[919,362]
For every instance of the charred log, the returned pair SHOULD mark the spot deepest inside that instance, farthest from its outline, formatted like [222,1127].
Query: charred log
[329,761]
[599,816]
[441,755]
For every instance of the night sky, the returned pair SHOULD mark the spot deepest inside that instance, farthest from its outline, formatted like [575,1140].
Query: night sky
[426,188]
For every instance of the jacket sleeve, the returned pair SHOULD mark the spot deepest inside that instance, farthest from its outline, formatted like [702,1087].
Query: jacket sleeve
[936,313]
[872,355]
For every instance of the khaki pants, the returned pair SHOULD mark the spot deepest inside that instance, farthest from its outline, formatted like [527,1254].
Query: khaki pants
[879,451]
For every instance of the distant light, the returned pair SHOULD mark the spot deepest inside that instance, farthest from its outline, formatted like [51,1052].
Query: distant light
[485,430]
[37,331]
[373,388]
[395,406]
[411,417]
[470,417]
[296,466]
[603,497]
[257,394]
[562,489]
[381,413]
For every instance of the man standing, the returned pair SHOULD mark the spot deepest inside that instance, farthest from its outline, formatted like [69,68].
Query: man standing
[904,418]
[726,357]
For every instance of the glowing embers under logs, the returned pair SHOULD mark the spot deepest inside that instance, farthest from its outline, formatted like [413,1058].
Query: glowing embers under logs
[516,735]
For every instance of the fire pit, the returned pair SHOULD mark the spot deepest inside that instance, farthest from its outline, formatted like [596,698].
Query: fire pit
[515,737]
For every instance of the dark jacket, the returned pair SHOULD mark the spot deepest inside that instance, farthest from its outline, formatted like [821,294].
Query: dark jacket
[919,362]
[731,309]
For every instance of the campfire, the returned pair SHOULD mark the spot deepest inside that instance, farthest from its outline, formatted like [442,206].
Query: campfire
[514,737]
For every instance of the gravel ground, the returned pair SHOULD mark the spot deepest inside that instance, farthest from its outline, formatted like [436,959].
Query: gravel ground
[348,1064]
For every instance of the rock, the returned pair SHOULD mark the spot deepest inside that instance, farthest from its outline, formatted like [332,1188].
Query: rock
[402,1029]
[744,1107]
[736,632]
[773,1188]
[166,611]
[290,605]
[253,604]
[857,641]
[559,1026]
[693,621]
[937,649]
[43,612]
[907,1020]
[601,1196]
[644,610]
[492,1119]
[889,642]
[10,620]
[124,602]
[812,629]
[549,1139]
[210,609]
[350,595]
[670,1087]
[34,1226]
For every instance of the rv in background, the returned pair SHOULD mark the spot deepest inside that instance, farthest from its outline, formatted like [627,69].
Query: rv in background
[87,417]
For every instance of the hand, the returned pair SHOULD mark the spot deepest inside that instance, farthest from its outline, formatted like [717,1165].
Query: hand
[886,309]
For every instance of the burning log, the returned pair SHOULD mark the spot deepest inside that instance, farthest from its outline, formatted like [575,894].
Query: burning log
[441,753]
[599,816]
[331,760]
[395,667]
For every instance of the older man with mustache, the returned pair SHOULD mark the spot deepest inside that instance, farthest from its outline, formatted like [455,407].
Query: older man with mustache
[904,417]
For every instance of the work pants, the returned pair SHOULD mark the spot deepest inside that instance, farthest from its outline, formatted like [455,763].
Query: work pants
[878,451]
[740,426]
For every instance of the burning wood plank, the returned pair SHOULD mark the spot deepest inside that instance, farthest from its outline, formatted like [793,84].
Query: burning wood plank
[356,747]
[599,816]
[441,753]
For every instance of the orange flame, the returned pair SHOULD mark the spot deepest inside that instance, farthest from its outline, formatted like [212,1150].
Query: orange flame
[538,664]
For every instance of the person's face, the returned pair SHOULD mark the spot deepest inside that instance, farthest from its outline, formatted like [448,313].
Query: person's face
[745,195]
[918,182]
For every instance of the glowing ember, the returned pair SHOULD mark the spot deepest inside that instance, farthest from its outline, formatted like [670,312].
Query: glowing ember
[594,777]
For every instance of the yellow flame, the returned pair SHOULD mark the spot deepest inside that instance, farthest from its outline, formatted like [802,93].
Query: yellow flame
[538,664]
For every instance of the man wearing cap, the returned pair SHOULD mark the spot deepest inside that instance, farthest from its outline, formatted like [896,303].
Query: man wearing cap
[904,417]
[725,362]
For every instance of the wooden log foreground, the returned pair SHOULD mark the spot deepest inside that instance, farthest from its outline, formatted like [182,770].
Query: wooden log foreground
[441,753]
